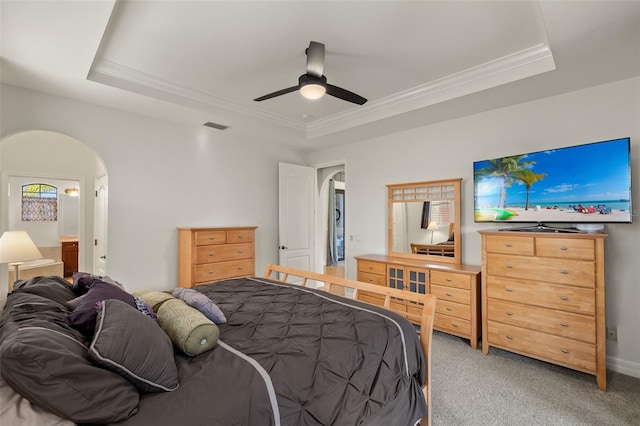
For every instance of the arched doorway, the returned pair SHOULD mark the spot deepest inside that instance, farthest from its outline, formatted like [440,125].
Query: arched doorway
[326,237]
[46,156]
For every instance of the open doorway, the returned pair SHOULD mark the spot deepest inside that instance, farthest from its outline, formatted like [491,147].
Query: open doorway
[69,165]
[331,221]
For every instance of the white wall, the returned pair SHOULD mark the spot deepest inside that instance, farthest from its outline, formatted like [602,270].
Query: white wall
[448,150]
[48,155]
[44,234]
[161,176]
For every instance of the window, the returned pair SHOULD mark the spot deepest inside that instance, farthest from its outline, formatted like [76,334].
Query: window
[39,203]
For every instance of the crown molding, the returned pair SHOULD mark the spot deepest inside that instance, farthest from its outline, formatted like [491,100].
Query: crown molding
[516,66]
[126,78]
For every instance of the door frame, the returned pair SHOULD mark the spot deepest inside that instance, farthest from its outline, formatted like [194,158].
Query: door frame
[320,223]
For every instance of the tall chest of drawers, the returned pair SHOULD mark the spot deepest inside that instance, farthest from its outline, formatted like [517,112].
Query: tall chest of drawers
[456,286]
[212,254]
[543,297]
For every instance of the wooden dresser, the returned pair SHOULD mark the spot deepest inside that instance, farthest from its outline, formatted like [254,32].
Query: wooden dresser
[212,254]
[543,297]
[456,286]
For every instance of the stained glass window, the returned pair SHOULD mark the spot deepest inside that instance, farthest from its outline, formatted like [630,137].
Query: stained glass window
[39,203]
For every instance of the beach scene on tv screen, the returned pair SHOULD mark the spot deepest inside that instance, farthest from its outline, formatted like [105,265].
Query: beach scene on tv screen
[585,183]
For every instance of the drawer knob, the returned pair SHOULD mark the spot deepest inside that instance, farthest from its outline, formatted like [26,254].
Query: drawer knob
[509,337]
[448,294]
[508,266]
[564,351]
[455,325]
[509,313]
[448,280]
[564,248]
[211,272]
[509,290]
[508,245]
[564,324]
[449,309]
[212,254]
[564,298]
[240,251]
[212,238]
[563,272]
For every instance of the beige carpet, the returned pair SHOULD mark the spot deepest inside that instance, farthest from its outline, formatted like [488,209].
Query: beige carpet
[502,388]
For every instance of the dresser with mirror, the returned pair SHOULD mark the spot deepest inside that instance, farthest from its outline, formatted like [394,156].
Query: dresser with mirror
[424,252]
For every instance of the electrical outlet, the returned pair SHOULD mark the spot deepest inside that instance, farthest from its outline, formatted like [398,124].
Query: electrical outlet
[612,334]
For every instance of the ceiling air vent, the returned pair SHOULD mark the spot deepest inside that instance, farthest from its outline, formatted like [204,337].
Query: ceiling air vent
[216,125]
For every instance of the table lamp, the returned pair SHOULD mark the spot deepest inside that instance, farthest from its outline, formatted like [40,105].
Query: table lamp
[16,247]
[432,227]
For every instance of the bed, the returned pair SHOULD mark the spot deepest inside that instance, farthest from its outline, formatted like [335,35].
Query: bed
[288,354]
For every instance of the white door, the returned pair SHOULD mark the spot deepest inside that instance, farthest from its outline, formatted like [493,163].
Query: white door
[297,206]
[100,243]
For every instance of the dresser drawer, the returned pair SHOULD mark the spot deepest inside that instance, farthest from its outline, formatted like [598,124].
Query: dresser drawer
[210,237]
[224,252]
[220,271]
[553,296]
[509,244]
[565,248]
[575,272]
[450,279]
[366,277]
[559,323]
[452,324]
[450,294]
[240,236]
[372,267]
[557,349]
[453,309]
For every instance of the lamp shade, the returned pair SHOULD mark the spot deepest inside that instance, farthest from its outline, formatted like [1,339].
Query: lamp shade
[432,225]
[313,91]
[17,246]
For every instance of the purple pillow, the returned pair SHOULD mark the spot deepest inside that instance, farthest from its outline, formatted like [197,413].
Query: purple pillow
[83,317]
[83,281]
[201,302]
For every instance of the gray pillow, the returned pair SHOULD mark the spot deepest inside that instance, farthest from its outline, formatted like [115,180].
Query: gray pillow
[201,302]
[131,344]
[49,367]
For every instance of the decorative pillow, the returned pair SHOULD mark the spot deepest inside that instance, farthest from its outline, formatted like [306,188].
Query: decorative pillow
[153,298]
[83,281]
[145,308]
[83,317]
[132,345]
[49,367]
[201,302]
[189,330]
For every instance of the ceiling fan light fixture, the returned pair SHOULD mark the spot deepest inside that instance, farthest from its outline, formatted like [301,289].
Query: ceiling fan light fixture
[313,91]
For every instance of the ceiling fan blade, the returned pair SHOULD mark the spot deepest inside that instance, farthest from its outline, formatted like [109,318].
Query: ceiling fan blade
[315,59]
[278,93]
[345,95]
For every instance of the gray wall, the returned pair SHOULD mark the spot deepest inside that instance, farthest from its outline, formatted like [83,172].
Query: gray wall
[161,175]
[448,150]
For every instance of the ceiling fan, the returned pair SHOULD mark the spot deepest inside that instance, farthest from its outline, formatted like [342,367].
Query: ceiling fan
[313,84]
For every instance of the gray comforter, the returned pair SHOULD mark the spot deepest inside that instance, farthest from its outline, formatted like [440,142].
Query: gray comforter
[295,356]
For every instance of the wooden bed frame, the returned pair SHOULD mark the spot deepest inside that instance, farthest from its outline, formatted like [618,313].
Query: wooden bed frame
[390,298]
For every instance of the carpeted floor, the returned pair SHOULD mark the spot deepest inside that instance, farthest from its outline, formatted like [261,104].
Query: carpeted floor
[503,388]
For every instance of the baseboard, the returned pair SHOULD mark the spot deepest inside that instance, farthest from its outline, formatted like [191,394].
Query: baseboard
[623,367]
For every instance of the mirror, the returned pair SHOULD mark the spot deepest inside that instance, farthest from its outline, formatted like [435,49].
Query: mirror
[424,221]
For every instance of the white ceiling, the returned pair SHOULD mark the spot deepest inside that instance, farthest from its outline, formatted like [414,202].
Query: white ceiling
[417,62]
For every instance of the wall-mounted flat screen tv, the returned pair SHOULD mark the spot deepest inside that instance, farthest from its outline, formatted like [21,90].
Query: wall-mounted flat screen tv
[588,183]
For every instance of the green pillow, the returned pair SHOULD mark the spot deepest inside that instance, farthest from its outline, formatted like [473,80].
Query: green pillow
[190,331]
